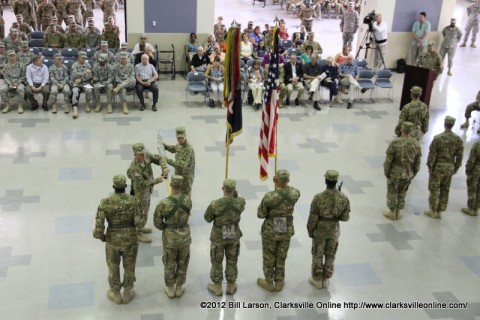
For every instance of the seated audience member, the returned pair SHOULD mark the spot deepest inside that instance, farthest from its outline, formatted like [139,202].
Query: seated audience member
[140,47]
[59,82]
[124,74]
[311,74]
[256,36]
[92,38]
[103,78]
[217,52]
[146,75]
[12,41]
[246,48]
[124,50]
[260,50]
[307,55]
[342,57]
[208,47]
[266,59]
[37,82]
[214,74]
[297,40]
[266,30]
[104,50]
[80,80]
[293,78]
[331,74]
[25,56]
[255,83]
[200,61]
[283,33]
[151,56]
[348,73]
[14,75]
[317,48]
[191,48]
[111,36]
[74,38]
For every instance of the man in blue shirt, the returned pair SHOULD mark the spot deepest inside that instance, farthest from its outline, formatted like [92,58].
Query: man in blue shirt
[420,31]
[348,73]
[37,79]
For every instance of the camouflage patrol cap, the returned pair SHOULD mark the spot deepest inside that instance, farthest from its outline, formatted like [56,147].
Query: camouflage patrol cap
[180,131]
[11,53]
[119,181]
[104,43]
[91,25]
[138,148]
[82,54]
[453,20]
[19,16]
[431,43]
[13,31]
[24,43]
[176,181]
[332,175]
[407,125]
[282,175]
[450,120]
[123,55]
[416,90]
[124,45]
[250,22]
[229,185]
[72,24]
[57,56]
[2,45]
[102,58]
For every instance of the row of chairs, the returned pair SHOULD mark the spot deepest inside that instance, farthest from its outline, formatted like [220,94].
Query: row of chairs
[66,52]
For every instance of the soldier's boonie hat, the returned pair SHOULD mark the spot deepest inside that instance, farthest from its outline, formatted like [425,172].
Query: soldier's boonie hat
[229,184]
[19,16]
[124,45]
[180,131]
[11,53]
[450,120]
[82,54]
[176,181]
[13,31]
[2,45]
[123,55]
[138,148]
[102,58]
[220,18]
[57,56]
[104,43]
[24,43]
[416,90]
[332,175]
[282,175]
[431,43]
[119,181]
[407,125]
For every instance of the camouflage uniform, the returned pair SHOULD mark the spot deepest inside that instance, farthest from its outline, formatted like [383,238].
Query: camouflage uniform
[24,30]
[333,4]
[306,15]
[171,216]
[12,44]
[225,236]
[112,38]
[13,74]
[349,26]
[109,8]
[89,6]
[123,214]
[417,113]
[2,26]
[3,59]
[219,32]
[92,40]
[184,162]
[104,81]
[24,7]
[444,160]
[45,13]
[315,45]
[326,210]
[61,13]
[474,106]
[130,57]
[110,59]
[59,75]
[75,8]
[472,170]
[431,60]
[143,181]
[125,78]
[473,11]
[81,76]
[74,40]
[451,36]
[401,165]
[53,40]
[25,58]
[33,18]
[276,208]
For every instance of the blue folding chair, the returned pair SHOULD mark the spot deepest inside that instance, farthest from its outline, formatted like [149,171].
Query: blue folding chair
[361,63]
[49,52]
[196,83]
[70,53]
[365,81]
[38,43]
[37,35]
[89,51]
[384,80]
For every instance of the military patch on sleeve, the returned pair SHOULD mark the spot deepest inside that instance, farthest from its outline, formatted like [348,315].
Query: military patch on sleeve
[137,174]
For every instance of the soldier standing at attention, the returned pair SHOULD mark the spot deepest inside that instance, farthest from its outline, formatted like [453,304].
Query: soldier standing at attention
[473,12]
[141,174]
[46,11]
[415,112]
[277,229]
[472,170]
[306,15]
[400,167]
[184,162]
[474,106]
[349,24]
[327,208]
[451,35]
[171,216]
[225,237]
[444,160]
[123,214]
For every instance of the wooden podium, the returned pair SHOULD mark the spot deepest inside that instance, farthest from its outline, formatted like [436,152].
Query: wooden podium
[417,76]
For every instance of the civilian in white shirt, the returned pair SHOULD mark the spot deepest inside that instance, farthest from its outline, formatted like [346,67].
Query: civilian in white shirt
[37,78]
[146,76]
[380,32]
[140,47]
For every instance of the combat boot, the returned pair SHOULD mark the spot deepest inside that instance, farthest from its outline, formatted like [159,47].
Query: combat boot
[75,113]
[316,283]
[124,107]
[463,44]
[215,288]
[389,215]
[465,124]
[478,130]
[449,72]
[279,286]
[54,107]
[118,88]
[87,108]
[114,296]
[179,291]
[170,292]
[6,108]
[397,214]
[20,108]
[338,99]
[431,213]
[473,45]
[267,285]
[109,108]
[325,283]
[143,238]
[128,294]
[98,107]
[231,287]
[66,108]
[469,211]
[146,230]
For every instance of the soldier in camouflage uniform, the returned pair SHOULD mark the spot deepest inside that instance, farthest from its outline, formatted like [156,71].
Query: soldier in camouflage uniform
[91,21]
[219,30]
[2,24]
[59,82]
[124,74]
[277,229]
[473,12]
[3,58]
[124,49]
[109,8]
[400,167]
[21,35]
[184,162]
[89,6]
[474,106]
[225,237]
[141,173]
[46,11]
[32,20]
[472,170]
[14,76]
[415,112]
[111,37]
[104,50]
[53,38]
[451,35]
[74,38]
[70,20]
[123,215]
[75,8]
[306,15]
[171,216]
[25,56]
[333,4]
[113,27]
[92,38]
[80,77]
[444,160]
[23,26]
[317,49]
[61,13]
[431,60]
[13,41]
[103,78]
[349,24]
[59,27]
[326,210]
[24,7]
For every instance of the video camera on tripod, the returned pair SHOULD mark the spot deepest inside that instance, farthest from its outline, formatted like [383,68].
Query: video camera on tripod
[369,19]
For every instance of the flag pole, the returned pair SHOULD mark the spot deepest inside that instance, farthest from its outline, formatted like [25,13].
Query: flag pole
[227,154]
[276,146]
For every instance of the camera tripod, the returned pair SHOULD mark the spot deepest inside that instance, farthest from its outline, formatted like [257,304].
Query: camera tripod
[366,44]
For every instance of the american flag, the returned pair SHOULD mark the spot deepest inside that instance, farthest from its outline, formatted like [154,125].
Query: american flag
[267,147]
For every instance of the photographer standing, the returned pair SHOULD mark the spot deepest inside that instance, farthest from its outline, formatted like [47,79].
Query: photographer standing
[380,32]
